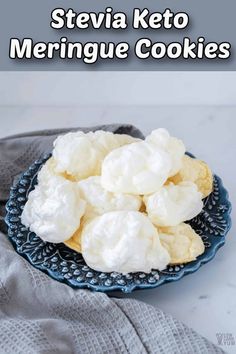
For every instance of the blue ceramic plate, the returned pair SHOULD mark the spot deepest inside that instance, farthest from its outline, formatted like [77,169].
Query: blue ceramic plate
[65,265]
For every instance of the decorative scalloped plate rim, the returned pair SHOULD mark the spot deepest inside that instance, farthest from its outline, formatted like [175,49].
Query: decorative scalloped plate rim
[163,277]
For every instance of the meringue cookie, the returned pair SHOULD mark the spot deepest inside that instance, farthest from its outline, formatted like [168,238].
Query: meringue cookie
[173,204]
[138,168]
[100,201]
[108,141]
[175,147]
[123,241]
[54,208]
[80,155]
[47,172]
[196,171]
[74,242]
[182,243]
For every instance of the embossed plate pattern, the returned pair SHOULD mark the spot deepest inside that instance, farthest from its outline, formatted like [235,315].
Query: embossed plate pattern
[65,265]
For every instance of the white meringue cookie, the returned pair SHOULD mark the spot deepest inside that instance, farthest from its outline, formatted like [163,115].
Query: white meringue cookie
[100,201]
[108,141]
[182,243]
[173,204]
[80,155]
[47,172]
[54,208]
[175,147]
[123,241]
[138,168]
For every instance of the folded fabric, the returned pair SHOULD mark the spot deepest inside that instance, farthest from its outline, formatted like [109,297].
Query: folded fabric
[41,315]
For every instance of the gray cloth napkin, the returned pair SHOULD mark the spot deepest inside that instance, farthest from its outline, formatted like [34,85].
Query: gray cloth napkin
[41,315]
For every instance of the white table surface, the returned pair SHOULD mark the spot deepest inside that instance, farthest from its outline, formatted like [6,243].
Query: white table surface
[205,300]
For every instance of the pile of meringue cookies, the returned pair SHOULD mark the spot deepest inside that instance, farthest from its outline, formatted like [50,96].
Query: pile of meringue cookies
[120,201]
